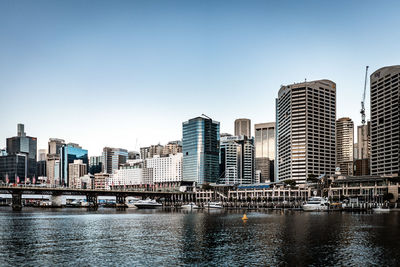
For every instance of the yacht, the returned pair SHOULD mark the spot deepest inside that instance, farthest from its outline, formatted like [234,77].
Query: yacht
[214,205]
[147,204]
[131,202]
[190,206]
[316,204]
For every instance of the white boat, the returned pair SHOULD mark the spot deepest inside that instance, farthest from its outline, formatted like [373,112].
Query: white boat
[131,202]
[380,209]
[214,205]
[190,206]
[147,204]
[316,204]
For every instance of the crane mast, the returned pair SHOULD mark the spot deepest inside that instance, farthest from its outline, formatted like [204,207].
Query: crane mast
[363,98]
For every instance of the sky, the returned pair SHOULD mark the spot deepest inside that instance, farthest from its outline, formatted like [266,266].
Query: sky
[128,73]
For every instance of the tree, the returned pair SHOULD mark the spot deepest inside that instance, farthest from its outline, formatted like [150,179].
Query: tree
[312,178]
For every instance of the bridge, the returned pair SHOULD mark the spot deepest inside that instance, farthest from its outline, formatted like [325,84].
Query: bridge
[92,194]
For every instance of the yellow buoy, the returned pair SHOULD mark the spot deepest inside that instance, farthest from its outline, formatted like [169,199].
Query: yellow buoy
[244,217]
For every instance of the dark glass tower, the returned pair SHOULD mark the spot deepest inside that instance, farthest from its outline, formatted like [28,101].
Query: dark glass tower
[200,145]
[24,145]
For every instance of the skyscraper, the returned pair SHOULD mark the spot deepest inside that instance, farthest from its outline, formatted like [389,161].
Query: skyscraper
[385,121]
[265,150]
[22,144]
[95,164]
[200,145]
[306,130]
[243,127]
[69,153]
[53,170]
[363,150]
[113,158]
[344,145]
[76,170]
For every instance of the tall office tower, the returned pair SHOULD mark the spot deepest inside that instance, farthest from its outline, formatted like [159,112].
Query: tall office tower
[243,127]
[53,170]
[95,164]
[76,170]
[385,121]
[200,145]
[306,130]
[362,150]
[344,145]
[41,163]
[22,144]
[69,153]
[265,150]
[237,160]
[113,158]
[172,147]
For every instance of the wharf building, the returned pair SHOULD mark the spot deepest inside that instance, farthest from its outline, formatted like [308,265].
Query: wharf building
[265,150]
[344,145]
[69,153]
[113,158]
[237,164]
[200,146]
[243,127]
[21,158]
[385,121]
[362,149]
[306,117]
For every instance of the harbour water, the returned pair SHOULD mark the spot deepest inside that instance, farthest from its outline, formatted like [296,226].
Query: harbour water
[107,237]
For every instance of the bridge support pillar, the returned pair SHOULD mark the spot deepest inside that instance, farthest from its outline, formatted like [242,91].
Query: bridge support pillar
[92,201]
[56,201]
[120,201]
[16,201]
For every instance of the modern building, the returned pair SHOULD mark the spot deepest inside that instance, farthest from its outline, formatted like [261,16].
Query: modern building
[55,145]
[243,127]
[237,165]
[265,150]
[306,115]
[53,169]
[173,147]
[385,121]
[86,182]
[150,151]
[126,175]
[76,170]
[165,169]
[13,166]
[200,146]
[113,158]
[95,164]
[133,155]
[23,144]
[41,163]
[69,153]
[344,145]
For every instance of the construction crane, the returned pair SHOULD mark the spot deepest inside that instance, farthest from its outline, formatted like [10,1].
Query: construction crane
[363,98]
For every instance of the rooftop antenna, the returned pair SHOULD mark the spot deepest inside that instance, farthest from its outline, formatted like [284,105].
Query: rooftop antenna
[206,116]
[363,98]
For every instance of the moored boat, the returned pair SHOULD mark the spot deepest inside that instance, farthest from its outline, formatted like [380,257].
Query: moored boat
[190,206]
[147,204]
[381,209]
[214,205]
[316,204]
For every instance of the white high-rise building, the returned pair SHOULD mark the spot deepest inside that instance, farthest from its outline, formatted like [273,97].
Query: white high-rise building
[75,171]
[385,121]
[306,116]
[127,175]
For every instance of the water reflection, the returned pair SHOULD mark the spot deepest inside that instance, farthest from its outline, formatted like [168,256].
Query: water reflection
[157,237]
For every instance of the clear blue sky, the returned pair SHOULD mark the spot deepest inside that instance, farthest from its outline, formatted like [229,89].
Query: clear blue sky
[127,73]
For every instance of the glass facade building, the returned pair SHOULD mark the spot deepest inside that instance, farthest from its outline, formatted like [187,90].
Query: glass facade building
[13,166]
[69,153]
[200,146]
[265,150]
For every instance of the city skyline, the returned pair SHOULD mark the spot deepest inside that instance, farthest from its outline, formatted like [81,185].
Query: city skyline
[129,75]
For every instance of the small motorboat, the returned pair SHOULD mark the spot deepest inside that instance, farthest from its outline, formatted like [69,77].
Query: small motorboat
[147,204]
[316,204]
[214,205]
[190,206]
[381,209]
